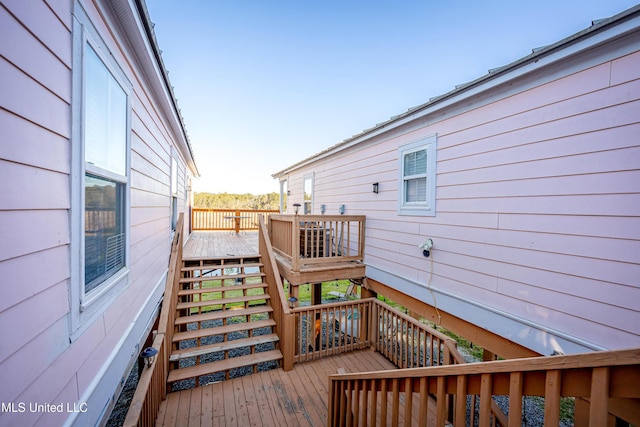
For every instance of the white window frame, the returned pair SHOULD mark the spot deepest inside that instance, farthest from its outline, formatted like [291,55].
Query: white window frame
[284,195]
[308,177]
[173,192]
[422,208]
[85,307]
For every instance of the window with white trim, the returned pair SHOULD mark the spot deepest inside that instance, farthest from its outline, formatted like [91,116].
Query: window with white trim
[308,194]
[105,152]
[100,175]
[284,195]
[417,182]
[174,193]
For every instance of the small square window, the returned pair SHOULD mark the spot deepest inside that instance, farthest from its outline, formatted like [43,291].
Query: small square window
[417,188]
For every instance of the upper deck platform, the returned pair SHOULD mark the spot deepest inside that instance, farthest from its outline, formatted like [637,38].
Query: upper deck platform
[210,244]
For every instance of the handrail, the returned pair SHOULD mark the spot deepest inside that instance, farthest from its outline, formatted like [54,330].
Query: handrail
[608,379]
[205,219]
[151,388]
[409,343]
[308,240]
[281,311]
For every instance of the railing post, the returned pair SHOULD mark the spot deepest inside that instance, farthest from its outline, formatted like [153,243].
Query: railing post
[295,244]
[288,350]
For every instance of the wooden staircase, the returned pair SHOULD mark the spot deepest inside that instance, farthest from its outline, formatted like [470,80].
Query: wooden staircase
[224,325]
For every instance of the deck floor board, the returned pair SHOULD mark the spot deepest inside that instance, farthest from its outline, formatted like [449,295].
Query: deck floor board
[272,398]
[210,244]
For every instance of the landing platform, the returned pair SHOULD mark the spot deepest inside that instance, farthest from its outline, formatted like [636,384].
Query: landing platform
[210,244]
[272,398]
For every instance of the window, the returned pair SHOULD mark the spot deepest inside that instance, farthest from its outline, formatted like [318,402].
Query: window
[105,148]
[100,136]
[417,189]
[174,193]
[104,234]
[284,196]
[308,194]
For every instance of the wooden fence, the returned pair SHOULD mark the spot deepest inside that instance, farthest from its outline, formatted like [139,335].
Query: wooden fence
[601,383]
[237,220]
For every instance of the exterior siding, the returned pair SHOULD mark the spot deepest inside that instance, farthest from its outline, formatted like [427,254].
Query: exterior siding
[42,359]
[538,205]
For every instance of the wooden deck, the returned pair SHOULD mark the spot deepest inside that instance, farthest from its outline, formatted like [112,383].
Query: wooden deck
[207,244]
[273,398]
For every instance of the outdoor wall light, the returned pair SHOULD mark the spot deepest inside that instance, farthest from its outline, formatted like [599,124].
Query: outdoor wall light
[296,207]
[323,208]
[341,209]
[292,302]
[375,187]
[149,355]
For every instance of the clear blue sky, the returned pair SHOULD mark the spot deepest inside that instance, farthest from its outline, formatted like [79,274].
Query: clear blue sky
[263,84]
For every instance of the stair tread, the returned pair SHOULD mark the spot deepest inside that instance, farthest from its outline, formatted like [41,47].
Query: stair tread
[223,365]
[219,330]
[246,298]
[221,277]
[221,288]
[177,355]
[223,314]
[219,267]
[221,258]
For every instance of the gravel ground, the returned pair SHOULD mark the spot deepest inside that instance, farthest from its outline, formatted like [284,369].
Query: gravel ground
[119,412]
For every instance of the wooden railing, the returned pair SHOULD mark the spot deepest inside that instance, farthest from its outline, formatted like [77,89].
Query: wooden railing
[281,310]
[409,343]
[152,384]
[606,382]
[317,239]
[328,329]
[203,219]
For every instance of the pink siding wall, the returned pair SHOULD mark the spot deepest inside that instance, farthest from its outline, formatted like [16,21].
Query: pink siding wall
[36,356]
[538,204]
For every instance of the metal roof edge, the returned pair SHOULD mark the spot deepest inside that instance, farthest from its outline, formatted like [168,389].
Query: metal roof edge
[148,25]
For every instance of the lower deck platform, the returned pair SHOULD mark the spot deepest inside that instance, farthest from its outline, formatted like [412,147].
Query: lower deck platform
[272,398]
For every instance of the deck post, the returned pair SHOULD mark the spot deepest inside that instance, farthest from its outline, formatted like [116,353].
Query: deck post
[288,350]
[295,244]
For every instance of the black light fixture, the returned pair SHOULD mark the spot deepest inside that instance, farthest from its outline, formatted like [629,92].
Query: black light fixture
[296,207]
[149,355]
[375,187]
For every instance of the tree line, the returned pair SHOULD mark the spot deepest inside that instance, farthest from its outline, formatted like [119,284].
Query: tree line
[236,201]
